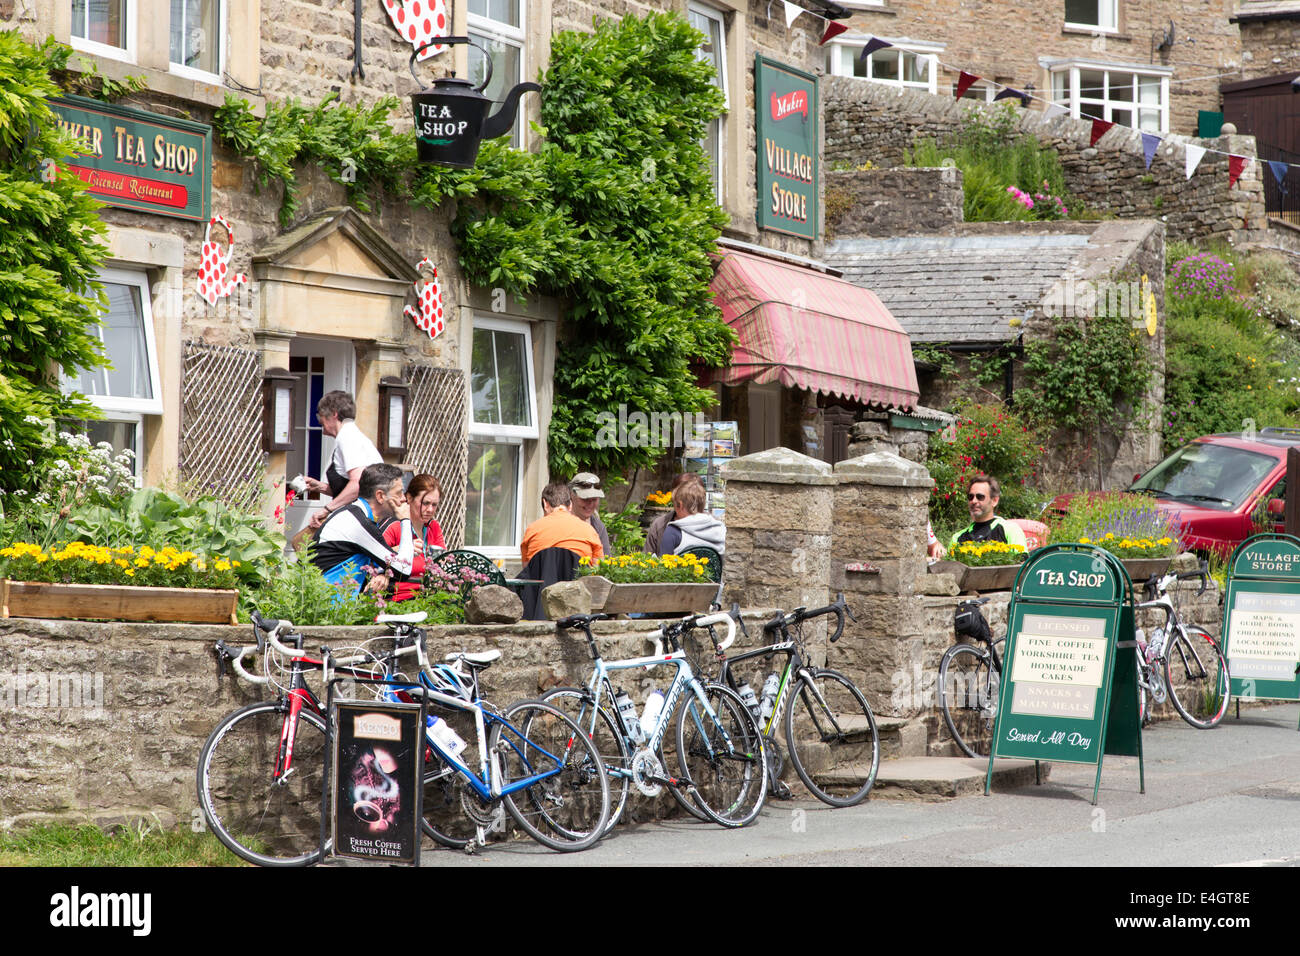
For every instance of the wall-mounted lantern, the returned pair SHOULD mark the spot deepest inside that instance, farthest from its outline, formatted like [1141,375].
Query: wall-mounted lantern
[277,409]
[394,402]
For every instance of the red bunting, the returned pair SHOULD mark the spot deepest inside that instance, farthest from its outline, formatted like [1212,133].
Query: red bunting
[964,82]
[833,29]
[1099,129]
[1236,166]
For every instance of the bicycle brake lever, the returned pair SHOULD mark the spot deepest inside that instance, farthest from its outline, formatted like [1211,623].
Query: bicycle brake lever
[735,614]
[221,661]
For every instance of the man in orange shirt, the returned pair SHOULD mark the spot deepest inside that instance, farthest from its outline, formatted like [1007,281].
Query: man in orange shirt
[559,528]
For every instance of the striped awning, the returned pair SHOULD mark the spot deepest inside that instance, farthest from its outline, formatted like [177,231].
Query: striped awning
[805,329]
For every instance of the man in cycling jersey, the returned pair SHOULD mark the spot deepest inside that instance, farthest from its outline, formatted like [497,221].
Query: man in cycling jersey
[982,496]
[350,537]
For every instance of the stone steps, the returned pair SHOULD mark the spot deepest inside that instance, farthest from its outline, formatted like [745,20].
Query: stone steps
[940,778]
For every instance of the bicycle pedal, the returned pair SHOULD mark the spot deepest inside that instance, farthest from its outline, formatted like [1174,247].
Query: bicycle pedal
[779,791]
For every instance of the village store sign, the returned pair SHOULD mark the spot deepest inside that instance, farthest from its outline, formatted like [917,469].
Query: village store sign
[788,123]
[1261,618]
[139,160]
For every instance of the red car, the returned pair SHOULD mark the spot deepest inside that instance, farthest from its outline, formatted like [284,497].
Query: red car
[1214,485]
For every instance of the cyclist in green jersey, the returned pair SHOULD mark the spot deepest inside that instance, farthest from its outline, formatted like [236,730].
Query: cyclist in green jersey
[982,496]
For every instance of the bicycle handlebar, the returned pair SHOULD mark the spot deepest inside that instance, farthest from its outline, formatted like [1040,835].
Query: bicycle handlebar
[690,623]
[839,608]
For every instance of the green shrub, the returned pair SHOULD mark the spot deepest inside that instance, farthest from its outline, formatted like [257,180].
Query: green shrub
[991,439]
[1130,526]
[298,592]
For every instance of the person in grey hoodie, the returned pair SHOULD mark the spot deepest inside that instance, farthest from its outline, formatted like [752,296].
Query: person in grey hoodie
[694,527]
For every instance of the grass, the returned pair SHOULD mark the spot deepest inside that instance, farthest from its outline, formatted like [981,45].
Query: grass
[61,844]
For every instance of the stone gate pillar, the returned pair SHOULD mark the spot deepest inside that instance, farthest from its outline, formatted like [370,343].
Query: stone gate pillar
[778,530]
[879,517]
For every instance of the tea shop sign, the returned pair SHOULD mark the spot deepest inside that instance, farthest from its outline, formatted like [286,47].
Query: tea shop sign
[138,160]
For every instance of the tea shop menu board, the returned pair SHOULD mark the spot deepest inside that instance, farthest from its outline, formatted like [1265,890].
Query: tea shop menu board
[1262,619]
[1057,671]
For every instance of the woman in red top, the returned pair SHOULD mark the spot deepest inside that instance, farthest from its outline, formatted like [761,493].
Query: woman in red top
[425,494]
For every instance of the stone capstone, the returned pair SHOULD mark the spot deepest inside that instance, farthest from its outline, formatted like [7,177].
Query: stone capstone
[566,598]
[494,604]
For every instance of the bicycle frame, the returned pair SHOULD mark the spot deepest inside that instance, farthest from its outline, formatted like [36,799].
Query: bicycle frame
[794,669]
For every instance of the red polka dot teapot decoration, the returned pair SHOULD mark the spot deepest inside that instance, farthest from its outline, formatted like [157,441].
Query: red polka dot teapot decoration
[451,116]
[427,313]
[216,280]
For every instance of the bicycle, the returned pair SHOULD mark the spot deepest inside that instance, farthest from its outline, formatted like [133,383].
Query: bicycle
[969,679]
[828,723]
[261,771]
[1181,662]
[723,769]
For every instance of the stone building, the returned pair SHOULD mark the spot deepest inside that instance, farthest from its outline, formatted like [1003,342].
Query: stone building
[1151,66]
[325,294]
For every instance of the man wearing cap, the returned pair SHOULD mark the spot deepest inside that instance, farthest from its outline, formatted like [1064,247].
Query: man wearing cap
[585,488]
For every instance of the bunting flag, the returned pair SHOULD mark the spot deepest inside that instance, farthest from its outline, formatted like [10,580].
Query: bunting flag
[1236,166]
[1008,93]
[833,29]
[1150,143]
[874,44]
[1194,156]
[791,12]
[964,82]
[1054,110]
[1278,169]
[1099,129]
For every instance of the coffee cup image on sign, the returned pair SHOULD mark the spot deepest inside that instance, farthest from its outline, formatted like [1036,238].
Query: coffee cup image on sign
[375,794]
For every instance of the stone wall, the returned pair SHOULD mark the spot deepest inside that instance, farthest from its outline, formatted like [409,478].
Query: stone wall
[134,703]
[892,202]
[871,122]
[1268,47]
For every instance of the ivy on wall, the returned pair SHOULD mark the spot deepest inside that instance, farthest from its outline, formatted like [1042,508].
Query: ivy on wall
[615,215]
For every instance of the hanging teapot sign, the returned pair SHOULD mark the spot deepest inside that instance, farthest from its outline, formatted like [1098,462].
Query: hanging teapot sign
[451,116]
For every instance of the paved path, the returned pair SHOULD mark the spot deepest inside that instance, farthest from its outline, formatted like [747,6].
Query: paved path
[1221,797]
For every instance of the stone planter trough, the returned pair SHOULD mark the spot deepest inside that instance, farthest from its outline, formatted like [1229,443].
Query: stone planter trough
[610,598]
[117,602]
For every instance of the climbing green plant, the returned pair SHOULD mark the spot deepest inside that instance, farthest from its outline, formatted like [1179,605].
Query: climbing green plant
[614,214]
[51,243]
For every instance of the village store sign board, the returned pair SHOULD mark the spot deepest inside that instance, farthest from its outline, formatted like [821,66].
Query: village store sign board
[139,160]
[1069,684]
[1261,618]
[788,123]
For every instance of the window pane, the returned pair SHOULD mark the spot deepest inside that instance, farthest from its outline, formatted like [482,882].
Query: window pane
[122,329]
[857,66]
[505,73]
[1121,87]
[1061,86]
[499,378]
[504,11]
[103,21]
[1091,84]
[916,69]
[1149,121]
[1149,90]
[1122,117]
[196,34]
[884,64]
[492,495]
[1095,110]
[1083,11]
[478,8]
[711,50]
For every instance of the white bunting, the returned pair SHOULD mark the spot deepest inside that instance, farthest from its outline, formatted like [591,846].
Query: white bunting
[1054,110]
[1194,156]
[792,12]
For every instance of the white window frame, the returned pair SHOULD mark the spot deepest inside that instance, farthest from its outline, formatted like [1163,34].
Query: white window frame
[720,18]
[850,44]
[95,48]
[498,31]
[987,87]
[1107,13]
[189,72]
[1073,100]
[120,407]
[517,435]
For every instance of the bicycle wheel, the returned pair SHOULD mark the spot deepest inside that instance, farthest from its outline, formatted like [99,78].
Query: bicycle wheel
[602,729]
[569,808]
[830,729]
[1196,674]
[452,811]
[262,818]
[968,697]
[1141,688]
[722,756]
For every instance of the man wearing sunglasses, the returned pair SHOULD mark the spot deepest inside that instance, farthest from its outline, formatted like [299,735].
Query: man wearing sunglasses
[982,496]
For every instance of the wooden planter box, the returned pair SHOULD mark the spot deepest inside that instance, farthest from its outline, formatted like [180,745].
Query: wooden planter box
[611,598]
[117,602]
[996,577]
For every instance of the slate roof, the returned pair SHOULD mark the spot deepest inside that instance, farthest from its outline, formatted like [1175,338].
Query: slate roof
[957,289]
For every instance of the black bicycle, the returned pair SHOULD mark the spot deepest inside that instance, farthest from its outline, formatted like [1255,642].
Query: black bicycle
[830,731]
[969,678]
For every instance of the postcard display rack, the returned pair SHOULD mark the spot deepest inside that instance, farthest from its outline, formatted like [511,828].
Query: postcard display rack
[708,448]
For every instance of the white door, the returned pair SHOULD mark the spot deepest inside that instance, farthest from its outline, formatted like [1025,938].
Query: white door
[320,366]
